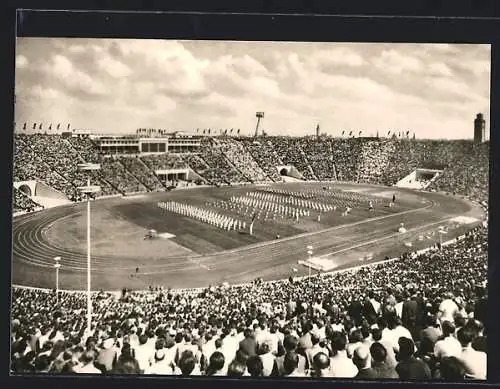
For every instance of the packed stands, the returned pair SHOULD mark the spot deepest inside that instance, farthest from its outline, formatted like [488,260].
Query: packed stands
[319,155]
[291,153]
[467,172]
[346,154]
[220,170]
[374,160]
[236,153]
[142,173]
[119,177]
[164,161]
[54,160]
[265,155]
[22,202]
[402,313]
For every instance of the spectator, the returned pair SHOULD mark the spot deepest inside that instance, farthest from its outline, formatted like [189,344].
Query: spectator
[87,364]
[448,346]
[341,365]
[362,360]
[216,365]
[379,362]
[410,367]
[475,362]
[255,367]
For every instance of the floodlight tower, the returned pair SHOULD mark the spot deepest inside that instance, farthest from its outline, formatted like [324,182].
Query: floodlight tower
[89,191]
[258,115]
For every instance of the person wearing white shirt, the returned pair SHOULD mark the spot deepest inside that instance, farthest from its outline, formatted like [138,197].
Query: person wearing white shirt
[87,364]
[475,362]
[341,366]
[267,359]
[448,346]
[161,366]
[447,309]
[143,353]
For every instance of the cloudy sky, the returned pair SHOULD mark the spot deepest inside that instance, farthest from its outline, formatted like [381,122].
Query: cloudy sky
[117,86]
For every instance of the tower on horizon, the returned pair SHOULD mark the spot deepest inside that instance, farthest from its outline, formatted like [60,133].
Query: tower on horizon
[479,129]
[258,115]
[317,131]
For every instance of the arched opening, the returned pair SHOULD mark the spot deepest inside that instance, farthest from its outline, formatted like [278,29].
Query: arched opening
[25,189]
[284,171]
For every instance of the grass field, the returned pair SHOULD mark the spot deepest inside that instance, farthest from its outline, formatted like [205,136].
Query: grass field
[199,254]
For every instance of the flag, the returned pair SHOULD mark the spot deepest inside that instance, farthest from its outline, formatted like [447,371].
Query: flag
[343,132]
[238,131]
[40,127]
[68,126]
[209,131]
[225,131]
[204,131]
[34,125]
[350,133]
[58,125]
[231,131]
[197,130]
[360,133]
[388,133]
[24,127]
[50,127]
[407,133]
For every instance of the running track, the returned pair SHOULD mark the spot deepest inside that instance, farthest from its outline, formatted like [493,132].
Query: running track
[33,254]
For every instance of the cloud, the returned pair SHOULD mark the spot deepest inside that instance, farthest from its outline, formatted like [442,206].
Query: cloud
[395,62]
[440,69]
[120,85]
[21,61]
[61,69]
[113,67]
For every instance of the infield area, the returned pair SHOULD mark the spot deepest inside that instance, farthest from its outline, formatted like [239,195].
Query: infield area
[196,254]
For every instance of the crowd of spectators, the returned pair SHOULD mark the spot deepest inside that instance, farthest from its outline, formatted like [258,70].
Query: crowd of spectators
[263,152]
[164,161]
[374,161]
[119,177]
[54,160]
[467,172]
[420,317]
[141,171]
[236,153]
[220,170]
[320,157]
[291,153]
[22,202]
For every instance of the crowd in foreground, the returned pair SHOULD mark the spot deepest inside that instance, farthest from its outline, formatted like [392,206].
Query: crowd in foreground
[420,317]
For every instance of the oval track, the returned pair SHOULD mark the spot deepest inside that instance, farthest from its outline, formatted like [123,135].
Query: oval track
[32,249]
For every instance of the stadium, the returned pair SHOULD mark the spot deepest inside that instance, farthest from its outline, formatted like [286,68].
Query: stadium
[197,254]
[274,251]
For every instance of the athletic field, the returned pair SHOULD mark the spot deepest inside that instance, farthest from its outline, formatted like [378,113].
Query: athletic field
[196,254]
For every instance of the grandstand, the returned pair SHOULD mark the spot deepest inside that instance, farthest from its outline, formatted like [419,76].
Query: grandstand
[261,314]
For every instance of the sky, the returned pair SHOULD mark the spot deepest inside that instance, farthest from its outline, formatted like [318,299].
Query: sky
[118,86]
